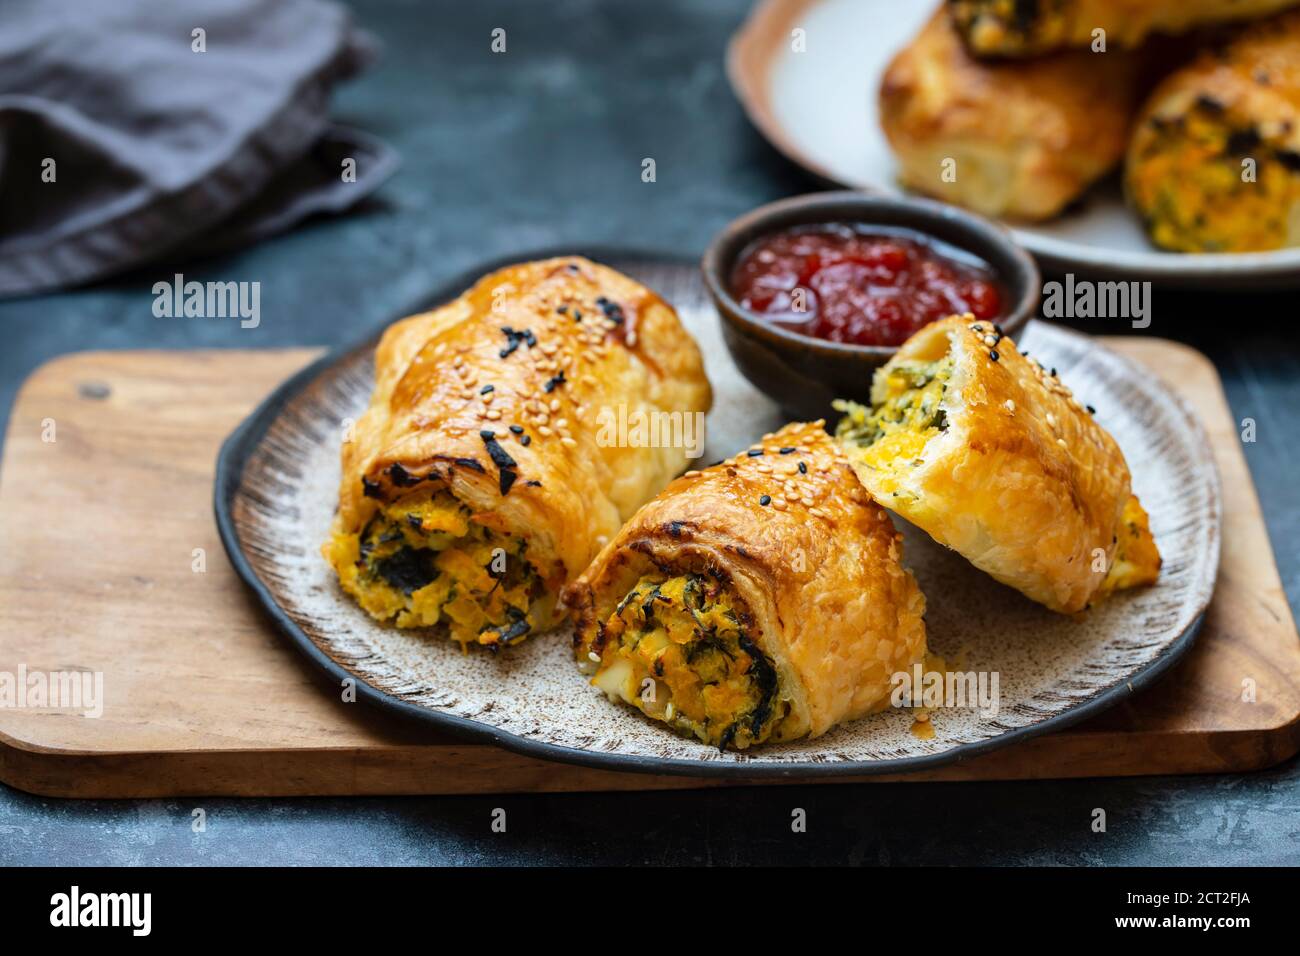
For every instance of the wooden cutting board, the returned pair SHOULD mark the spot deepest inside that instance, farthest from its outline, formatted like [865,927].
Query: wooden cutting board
[201,697]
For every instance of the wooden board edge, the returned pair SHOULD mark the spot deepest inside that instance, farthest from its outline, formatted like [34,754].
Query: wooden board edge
[481,769]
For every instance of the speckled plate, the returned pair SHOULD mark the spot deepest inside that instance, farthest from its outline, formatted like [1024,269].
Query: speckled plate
[276,489]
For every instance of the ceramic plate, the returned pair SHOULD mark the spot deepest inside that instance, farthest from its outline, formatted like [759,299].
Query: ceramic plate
[818,107]
[276,490]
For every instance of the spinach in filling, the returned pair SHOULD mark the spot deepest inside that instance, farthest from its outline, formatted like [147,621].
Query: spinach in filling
[676,648]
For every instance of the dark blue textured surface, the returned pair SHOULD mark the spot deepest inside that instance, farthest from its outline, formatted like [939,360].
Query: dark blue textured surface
[543,146]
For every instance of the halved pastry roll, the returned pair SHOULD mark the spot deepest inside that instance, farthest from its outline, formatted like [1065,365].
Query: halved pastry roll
[1028,27]
[1020,139]
[761,599]
[1214,164]
[993,457]
[484,476]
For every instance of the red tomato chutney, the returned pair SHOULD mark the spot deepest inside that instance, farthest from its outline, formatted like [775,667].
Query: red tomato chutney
[847,283]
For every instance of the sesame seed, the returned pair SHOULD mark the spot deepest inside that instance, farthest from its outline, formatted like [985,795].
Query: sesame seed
[526,440]
[591,655]
[1091,410]
[691,474]
[1011,406]
[803,469]
[568,442]
[1061,442]
[517,429]
[492,415]
[993,354]
[755,452]
[544,431]
[765,500]
[787,450]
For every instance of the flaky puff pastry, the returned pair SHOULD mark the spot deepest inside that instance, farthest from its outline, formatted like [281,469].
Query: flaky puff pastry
[484,442]
[1214,164]
[760,599]
[993,457]
[1018,28]
[1017,139]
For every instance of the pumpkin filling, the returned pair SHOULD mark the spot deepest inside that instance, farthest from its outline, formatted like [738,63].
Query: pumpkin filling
[426,559]
[1188,181]
[906,412]
[675,649]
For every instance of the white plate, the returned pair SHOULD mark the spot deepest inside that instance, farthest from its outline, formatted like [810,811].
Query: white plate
[818,107]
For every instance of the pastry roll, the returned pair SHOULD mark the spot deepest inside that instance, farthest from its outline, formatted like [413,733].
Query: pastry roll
[1020,28]
[477,483]
[1020,140]
[762,599]
[1214,164]
[993,457]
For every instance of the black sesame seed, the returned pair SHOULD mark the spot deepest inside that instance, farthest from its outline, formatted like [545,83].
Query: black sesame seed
[755,453]
[765,500]
[993,354]
[517,429]
[803,469]
[487,388]
[554,382]
[788,449]
[526,440]
[1091,410]
[563,310]
[401,477]
[500,457]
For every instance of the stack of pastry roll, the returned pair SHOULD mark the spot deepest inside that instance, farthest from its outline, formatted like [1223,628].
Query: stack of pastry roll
[475,486]
[1016,28]
[992,455]
[1214,165]
[1014,139]
[762,599]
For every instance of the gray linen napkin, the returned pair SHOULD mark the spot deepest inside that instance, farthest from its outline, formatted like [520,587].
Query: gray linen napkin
[122,142]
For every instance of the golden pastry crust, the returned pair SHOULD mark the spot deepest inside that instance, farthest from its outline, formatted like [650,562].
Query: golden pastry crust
[814,574]
[1214,163]
[1016,28]
[1005,467]
[495,397]
[1027,138]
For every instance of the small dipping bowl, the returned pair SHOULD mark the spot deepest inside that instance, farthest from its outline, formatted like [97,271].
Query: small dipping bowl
[802,373]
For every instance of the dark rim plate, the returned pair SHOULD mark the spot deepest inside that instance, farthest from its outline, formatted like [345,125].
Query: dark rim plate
[237,449]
